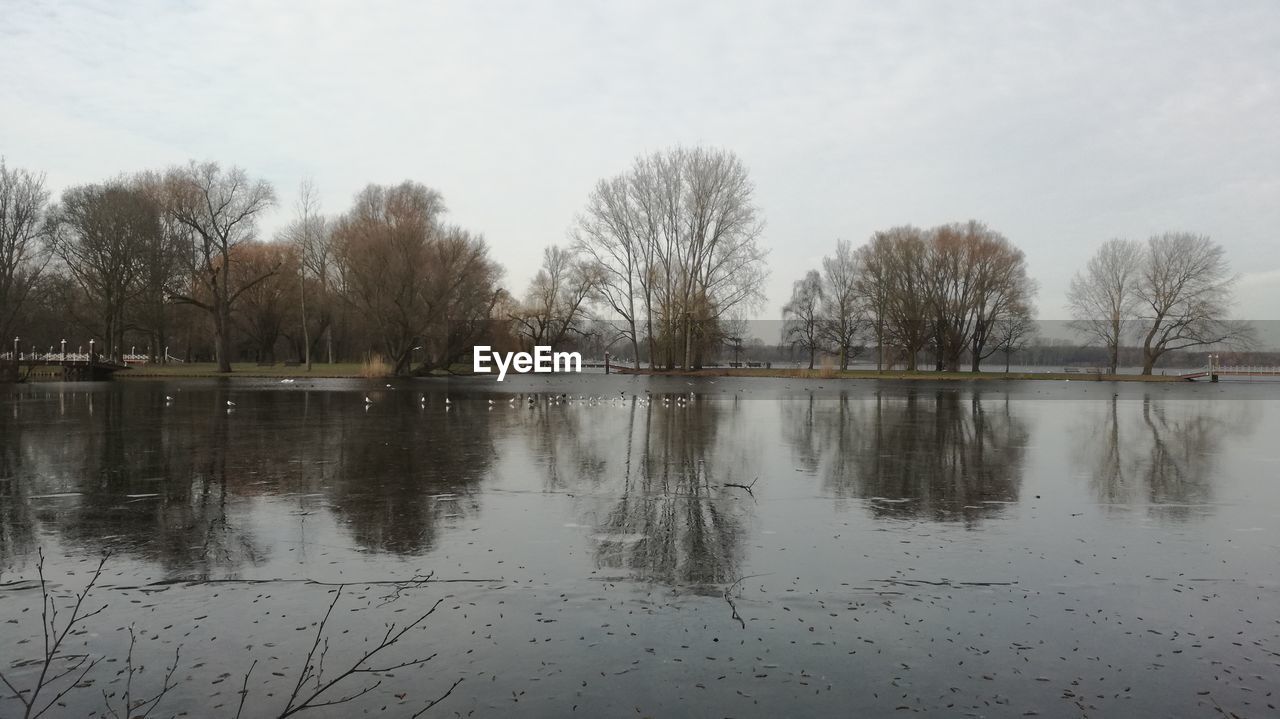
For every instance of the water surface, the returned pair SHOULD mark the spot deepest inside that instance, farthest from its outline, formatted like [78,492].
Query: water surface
[985,548]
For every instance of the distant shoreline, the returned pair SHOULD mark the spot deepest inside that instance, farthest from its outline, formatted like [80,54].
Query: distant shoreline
[787,373]
[354,371]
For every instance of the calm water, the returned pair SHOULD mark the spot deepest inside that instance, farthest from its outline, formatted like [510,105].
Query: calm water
[982,549]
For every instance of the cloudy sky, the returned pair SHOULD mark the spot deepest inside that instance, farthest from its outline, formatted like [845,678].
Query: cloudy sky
[1059,124]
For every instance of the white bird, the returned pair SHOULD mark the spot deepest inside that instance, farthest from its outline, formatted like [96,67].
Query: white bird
[367,400]
[388,386]
[167,398]
[446,401]
[230,403]
[490,403]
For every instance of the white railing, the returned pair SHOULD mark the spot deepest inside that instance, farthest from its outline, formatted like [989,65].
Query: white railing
[55,357]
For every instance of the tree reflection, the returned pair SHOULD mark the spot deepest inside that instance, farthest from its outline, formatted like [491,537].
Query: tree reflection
[931,455]
[1159,454]
[153,483]
[659,508]
[181,484]
[17,527]
[399,478]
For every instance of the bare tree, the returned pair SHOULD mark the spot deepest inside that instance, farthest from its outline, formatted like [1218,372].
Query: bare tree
[1012,332]
[841,307]
[1104,298]
[1002,296]
[611,234]
[22,240]
[558,299]
[309,233]
[163,256]
[416,282]
[220,209]
[1184,290]
[677,237]
[802,326]
[266,307]
[896,288]
[102,236]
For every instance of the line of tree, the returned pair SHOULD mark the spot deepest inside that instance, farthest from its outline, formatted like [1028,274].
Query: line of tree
[662,265]
[956,291]
[175,258]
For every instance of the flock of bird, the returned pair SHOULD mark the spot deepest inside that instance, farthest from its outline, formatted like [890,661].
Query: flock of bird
[535,399]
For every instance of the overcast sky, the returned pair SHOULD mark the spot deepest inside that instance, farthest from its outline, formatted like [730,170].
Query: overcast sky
[1058,124]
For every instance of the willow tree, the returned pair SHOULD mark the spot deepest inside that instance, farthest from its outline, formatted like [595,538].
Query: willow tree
[416,282]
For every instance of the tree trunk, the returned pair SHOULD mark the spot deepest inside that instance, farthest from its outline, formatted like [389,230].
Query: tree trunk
[302,300]
[222,337]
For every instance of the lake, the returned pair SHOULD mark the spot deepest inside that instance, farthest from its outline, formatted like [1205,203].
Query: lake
[650,546]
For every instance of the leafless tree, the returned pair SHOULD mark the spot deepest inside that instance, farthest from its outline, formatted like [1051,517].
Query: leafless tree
[842,312]
[802,315]
[310,234]
[677,237]
[611,234]
[164,257]
[220,208]
[1184,291]
[415,281]
[23,232]
[102,235]
[1002,296]
[558,300]
[1104,297]
[1012,332]
[896,288]
[266,307]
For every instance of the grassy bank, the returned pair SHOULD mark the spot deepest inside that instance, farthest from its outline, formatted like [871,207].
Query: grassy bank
[243,369]
[319,370]
[904,375]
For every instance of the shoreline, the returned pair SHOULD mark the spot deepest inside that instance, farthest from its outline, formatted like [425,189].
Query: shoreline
[353,371]
[960,376]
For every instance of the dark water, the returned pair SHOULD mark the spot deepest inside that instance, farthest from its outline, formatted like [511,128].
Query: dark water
[984,549]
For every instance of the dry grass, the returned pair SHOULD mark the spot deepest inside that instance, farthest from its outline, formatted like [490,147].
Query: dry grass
[375,367]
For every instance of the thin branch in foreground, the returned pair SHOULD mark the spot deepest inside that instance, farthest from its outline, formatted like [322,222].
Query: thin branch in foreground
[300,701]
[53,642]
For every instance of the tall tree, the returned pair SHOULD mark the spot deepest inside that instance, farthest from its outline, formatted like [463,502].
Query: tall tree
[841,307]
[415,282]
[611,234]
[309,233]
[1185,294]
[221,209]
[802,315]
[558,300]
[678,237]
[1104,297]
[103,233]
[267,306]
[23,232]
